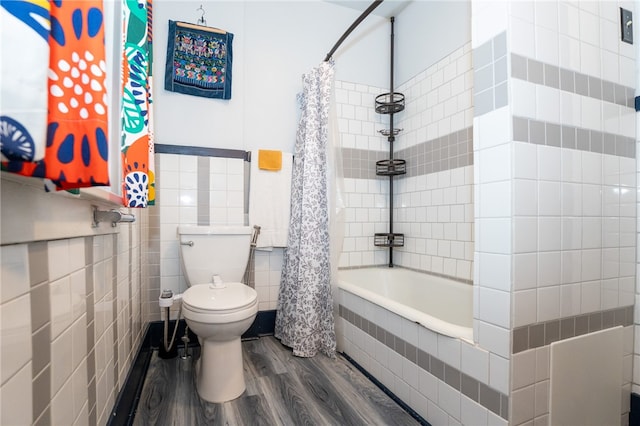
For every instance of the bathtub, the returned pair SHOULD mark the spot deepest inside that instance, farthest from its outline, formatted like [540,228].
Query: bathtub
[439,304]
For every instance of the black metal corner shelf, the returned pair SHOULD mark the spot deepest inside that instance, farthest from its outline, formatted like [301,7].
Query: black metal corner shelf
[393,167]
[389,132]
[389,103]
[386,239]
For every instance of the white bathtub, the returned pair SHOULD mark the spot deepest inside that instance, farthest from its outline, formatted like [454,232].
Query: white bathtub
[440,304]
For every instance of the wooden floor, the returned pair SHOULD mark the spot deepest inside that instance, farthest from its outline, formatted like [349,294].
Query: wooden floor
[281,390]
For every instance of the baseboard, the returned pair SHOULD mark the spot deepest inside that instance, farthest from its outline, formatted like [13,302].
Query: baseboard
[127,401]
[634,413]
[263,325]
[386,390]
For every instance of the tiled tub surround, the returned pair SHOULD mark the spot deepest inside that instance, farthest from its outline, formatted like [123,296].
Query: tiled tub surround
[445,380]
[555,187]
[197,188]
[434,200]
[71,326]
[574,220]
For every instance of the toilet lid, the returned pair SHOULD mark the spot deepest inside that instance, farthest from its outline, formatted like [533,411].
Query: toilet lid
[230,298]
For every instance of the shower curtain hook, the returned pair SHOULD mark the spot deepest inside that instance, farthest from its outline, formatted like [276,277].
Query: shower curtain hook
[201,20]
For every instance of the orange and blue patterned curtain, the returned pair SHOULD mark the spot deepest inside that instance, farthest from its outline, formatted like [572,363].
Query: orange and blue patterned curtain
[75,141]
[136,146]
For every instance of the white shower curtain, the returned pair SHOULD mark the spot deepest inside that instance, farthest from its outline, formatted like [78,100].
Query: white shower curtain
[304,318]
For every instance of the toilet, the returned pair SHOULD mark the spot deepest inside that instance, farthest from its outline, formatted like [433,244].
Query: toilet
[216,306]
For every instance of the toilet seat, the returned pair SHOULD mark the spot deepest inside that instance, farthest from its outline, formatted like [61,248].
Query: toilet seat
[208,304]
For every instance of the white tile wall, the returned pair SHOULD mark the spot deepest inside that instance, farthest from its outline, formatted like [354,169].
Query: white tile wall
[69,356]
[178,206]
[567,212]
[433,211]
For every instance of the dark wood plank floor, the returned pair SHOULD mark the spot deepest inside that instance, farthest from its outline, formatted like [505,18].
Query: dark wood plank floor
[281,390]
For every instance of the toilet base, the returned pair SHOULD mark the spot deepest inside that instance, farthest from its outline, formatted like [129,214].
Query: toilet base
[220,373]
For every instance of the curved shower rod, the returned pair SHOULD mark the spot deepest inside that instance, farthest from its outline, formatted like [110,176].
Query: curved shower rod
[353,26]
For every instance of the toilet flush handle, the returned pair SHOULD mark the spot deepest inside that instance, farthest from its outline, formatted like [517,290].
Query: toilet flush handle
[187,243]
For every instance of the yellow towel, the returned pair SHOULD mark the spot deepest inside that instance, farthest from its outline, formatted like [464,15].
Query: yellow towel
[269,160]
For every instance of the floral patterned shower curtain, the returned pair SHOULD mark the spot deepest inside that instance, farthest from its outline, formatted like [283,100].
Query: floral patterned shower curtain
[136,145]
[304,319]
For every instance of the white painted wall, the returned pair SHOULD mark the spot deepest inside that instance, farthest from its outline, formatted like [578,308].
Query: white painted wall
[274,44]
[426,32]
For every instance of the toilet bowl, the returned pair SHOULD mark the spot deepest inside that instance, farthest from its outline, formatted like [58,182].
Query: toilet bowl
[218,309]
[219,316]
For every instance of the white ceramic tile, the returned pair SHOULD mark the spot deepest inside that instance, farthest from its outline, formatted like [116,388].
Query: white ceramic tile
[495,271]
[611,201]
[16,398]
[58,252]
[187,163]
[61,360]
[495,164]
[495,235]
[523,98]
[494,338]
[449,400]
[591,297]
[472,413]
[525,158]
[611,170]
[525,271]
[495,200]
[547,104]
[542,398]
[449,350]
[569,19]
[549,198]
[525,197]
[475,362]
[591,200]
[570,109]
[548,303]
[524,307]
[572,233]
[499,373]
[549,268]
[62,405]
[549,163]
[14,264]
[522,37]
[590,62]
[495,307]
[569,53]
[427,340]
[15,337]
[549,233]
[571,266]
[523,369]
[76,254]
[591,113]
[522,405]
[525,234]
[589,28]
[60,305]
[79,341]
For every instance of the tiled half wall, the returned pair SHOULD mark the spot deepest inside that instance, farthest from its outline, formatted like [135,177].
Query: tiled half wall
[201,186]
[71,324]
[445,380]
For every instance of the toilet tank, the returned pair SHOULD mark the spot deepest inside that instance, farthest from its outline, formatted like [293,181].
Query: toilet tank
[209,250]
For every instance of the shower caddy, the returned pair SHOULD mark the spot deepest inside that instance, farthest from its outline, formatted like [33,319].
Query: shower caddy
[390,103]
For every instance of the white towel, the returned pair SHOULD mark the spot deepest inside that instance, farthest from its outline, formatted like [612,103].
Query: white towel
[270,201]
